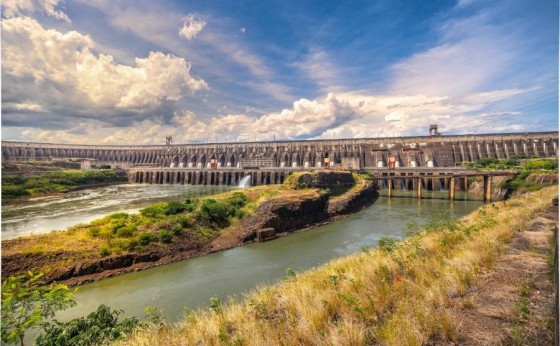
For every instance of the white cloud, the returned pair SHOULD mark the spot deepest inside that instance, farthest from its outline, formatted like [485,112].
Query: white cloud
[53,69]
[396,116]
[191,27]
[473,53]
[12,8]
[318,65]
[342,115]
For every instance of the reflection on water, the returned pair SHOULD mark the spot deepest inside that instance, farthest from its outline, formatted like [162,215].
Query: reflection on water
[86,205]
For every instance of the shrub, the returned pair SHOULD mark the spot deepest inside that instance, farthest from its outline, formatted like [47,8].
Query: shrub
[146,238]
[173,208]
[388,244]
[154,211]
[93,231]
[127,231]
[485,162]
[14,191]
[27,303]
[185,221]
[238,199]
[177,229]
[104,251]
[536,164]
[165,236]
[214,212]
[97,328]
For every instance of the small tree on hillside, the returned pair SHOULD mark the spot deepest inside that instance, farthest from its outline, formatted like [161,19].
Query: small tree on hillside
[27,303]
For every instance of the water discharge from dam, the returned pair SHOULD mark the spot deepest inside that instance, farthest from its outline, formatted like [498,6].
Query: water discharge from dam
[63,211]
[231,273]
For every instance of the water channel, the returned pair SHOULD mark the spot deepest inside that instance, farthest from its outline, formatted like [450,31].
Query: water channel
[224,274]
[83,206]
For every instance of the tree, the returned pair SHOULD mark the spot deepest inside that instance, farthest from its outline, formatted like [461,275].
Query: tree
[27,302]
[99,327]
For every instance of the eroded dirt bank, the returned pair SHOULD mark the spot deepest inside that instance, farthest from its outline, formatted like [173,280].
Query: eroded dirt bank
[279,216]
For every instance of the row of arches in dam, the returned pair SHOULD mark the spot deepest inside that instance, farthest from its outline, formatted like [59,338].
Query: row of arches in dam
[449,183]
[170,176]
[405,152]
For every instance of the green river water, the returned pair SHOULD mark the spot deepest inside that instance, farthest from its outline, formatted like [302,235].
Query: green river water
[227,274]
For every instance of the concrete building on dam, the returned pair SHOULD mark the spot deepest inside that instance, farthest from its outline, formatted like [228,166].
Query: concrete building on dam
[407,152]
[412,163]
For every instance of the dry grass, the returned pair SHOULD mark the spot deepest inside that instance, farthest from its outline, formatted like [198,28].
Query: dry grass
[398,297]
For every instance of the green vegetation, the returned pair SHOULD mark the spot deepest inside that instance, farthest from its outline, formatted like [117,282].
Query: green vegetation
[525,170]
[163,222]
[514,163]
[56,181]
[399,294]
[28,303]
[193,221]
[97,328]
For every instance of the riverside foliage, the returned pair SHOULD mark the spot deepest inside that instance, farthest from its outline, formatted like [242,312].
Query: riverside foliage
[398,294]
[56,181]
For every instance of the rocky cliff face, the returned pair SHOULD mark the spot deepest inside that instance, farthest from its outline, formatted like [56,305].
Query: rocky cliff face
[323,180]
[281,215]
[286,215]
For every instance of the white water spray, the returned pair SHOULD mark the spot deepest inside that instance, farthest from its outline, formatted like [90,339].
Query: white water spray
[245,182]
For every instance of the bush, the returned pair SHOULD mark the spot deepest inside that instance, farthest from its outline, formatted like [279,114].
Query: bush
[104,251]
[154,211]
[214,212]
[173,208]
[27,302]
[185,221]
[485,162]
[177,229]
[146,238]
[99,327]
[93,232]
[388,244]
[14,191]
[127,231]
[238,199]
[165,236]
[537,164]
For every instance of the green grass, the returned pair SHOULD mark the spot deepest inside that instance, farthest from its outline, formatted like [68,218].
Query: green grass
[56,181]
[399,294]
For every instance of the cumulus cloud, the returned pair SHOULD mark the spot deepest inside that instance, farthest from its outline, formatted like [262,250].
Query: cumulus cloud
[191,27]
[13,8]
[51,71]
[340,115]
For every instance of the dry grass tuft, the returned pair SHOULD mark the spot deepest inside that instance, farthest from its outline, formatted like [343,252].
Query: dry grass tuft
[396,296]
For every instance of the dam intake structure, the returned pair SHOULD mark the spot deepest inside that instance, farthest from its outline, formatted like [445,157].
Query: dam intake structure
[411,163]
[353,154]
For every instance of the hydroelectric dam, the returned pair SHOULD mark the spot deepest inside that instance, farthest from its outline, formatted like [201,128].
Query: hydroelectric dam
[415,160]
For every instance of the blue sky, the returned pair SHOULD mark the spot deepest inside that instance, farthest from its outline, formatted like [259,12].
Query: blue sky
[134,72]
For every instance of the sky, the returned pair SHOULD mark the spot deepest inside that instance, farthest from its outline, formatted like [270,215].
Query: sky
[204,71]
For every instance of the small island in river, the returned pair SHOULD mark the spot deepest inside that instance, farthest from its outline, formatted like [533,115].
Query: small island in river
[172,231]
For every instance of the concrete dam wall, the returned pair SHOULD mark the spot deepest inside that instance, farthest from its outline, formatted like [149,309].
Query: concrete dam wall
[420,151]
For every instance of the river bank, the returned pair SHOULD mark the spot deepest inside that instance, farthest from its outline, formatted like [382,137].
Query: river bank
[86,263]
[50,196]
[419,291]
[45,185]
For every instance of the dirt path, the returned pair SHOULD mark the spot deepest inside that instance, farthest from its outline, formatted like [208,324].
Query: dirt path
[513,303]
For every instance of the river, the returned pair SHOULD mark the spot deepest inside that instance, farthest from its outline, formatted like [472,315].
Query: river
[226,274]
[83,206]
